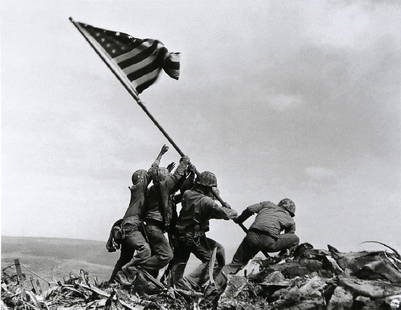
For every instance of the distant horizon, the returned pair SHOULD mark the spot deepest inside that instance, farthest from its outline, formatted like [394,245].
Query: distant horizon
[230,249]
[13,236]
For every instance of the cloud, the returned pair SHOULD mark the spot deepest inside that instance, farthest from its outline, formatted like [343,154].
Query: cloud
[318,173]
[283,102]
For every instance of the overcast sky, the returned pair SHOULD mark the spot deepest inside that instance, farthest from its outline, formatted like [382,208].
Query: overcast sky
[297,99]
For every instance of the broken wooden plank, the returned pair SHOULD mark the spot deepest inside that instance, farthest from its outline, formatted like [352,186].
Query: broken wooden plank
[18,269]
[211,266]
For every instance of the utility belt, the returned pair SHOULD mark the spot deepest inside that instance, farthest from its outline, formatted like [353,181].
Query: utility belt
[195,230]
[156,223]
[261,232]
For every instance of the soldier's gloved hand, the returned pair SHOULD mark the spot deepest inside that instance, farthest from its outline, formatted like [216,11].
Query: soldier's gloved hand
[164,149]
[191,168]
[232,214]
[171,166]
[237,220]
[185,159]
[226,205]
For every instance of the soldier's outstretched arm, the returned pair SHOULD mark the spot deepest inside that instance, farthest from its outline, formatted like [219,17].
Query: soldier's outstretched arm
[223,212]
[243,217]
[179,172]
[155,165]
[163,151]
[170,166]
[248,212]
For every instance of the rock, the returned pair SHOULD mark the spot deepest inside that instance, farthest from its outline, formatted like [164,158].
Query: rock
[368,265]
[379,270]
[293,269]
[279,294]
[369,288]
[235,285]
[361,302]
[394,302]
[340,300]
[251,268]
[313,288]
[291,298]
[273,282]
[302,250]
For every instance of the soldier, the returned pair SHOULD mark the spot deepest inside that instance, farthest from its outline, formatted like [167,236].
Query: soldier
[193,222]
[263,235]
[186,183]
[157,214]
[127,231]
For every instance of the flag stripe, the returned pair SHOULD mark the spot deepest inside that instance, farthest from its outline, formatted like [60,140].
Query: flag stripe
[133,52]
[139,57]
[173,65]
[147,80]
[137,66]
[157,63]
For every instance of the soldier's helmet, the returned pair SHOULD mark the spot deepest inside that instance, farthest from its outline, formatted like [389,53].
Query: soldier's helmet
[138,176]
[288,204]
[161,174]
[207,178]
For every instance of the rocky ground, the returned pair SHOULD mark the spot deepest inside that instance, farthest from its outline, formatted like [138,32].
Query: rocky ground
[306,279]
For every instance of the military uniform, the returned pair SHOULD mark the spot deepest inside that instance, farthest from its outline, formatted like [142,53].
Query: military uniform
[158,213]
[263,235]
[128,230]
[192,225]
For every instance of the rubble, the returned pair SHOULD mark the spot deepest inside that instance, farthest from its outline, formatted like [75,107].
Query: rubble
[319,279]
[308,279]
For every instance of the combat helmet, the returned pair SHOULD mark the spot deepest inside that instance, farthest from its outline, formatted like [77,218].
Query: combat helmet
[138,175]
[207,178]
[288,205]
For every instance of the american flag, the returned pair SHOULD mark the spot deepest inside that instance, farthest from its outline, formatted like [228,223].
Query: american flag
[140,60]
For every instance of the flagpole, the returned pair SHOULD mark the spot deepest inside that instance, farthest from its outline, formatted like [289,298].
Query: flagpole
[127,86]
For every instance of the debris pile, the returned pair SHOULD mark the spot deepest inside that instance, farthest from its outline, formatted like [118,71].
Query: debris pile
[319,279]
[82,292]
[306,279]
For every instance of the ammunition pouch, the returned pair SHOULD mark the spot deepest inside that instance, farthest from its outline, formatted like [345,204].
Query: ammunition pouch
[121,231]
[118,234]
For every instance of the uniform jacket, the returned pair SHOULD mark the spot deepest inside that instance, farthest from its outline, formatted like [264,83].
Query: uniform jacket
[159,205]
[197,209]
[271,219]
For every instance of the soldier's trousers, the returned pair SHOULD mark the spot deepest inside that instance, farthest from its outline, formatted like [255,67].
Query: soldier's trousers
[202,247]
[134,241]
[161,250]
[250,246]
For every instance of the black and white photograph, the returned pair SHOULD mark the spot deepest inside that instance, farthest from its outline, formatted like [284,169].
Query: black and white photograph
[227,155]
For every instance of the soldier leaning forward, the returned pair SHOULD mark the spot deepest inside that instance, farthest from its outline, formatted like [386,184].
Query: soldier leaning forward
[157,215]
[263,235]
[193,222]
[127,231]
